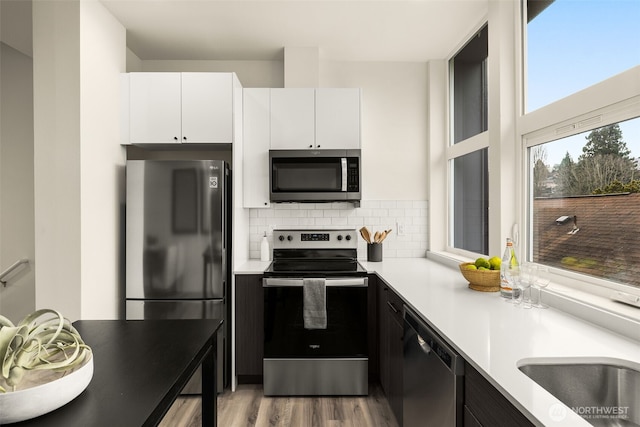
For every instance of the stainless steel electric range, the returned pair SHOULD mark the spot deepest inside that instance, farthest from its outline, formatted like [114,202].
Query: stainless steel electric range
[315,317]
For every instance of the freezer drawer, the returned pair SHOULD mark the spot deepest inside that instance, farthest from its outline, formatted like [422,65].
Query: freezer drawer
[175,309]
[207,309]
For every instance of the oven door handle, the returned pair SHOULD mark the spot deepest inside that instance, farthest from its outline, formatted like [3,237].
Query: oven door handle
[276,282]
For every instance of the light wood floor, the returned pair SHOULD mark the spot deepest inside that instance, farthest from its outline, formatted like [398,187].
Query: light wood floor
[248,406]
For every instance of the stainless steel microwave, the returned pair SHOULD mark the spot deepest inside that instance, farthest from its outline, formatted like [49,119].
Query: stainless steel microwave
[314,175]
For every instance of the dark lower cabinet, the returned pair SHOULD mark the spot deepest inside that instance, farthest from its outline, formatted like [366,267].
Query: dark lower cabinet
[249,328]
[372,327]
[469,419]
[486,406]
[390,347]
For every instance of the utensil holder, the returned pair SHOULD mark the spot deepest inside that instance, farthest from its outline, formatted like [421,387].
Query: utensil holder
[374,252]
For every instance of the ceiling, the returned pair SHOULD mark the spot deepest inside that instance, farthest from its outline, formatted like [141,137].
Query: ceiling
[343,30]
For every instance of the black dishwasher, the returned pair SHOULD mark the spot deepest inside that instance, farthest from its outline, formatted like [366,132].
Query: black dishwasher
[433,377]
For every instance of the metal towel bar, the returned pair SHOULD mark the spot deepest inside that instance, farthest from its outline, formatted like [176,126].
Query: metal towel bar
[11,268]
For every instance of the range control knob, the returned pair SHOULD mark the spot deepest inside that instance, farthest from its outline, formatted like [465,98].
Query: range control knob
[289,238]
[339,237]
[348,237]
[281,238]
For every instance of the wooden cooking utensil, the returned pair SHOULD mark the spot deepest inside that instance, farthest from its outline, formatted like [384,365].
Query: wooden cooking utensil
[364,232]
[384,235]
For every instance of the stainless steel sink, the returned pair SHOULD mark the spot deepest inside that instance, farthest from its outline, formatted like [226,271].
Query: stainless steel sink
[604,393]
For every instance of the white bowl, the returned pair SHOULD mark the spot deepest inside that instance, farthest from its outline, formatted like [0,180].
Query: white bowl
[35,401]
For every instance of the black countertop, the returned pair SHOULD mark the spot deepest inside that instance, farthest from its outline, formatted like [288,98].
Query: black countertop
[140,367]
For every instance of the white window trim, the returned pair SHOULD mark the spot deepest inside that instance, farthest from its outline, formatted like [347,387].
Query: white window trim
[459,149]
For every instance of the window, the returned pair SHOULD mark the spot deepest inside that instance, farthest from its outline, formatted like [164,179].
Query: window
[468,164]
[583,178]
[470,202]
[469,81]
[574,44]
[586,195]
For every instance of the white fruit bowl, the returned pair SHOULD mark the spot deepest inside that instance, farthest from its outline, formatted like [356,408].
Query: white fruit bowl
[32,402]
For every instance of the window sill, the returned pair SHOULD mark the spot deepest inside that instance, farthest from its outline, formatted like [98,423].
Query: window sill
[597,309]
[602,311]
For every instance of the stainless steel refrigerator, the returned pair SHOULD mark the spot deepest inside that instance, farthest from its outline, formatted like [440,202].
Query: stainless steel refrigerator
[178,246]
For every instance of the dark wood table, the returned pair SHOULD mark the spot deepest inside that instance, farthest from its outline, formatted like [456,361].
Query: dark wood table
[140,367]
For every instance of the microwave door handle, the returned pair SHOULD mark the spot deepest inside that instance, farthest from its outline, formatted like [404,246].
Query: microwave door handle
[344,174]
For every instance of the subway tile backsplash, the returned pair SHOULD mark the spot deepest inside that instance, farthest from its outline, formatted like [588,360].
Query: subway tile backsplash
[376,215]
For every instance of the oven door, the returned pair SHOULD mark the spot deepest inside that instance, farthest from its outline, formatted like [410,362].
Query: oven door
[346,332]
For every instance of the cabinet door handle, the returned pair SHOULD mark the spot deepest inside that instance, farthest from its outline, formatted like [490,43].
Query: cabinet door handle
[184,138]
[392,307]
[175,138]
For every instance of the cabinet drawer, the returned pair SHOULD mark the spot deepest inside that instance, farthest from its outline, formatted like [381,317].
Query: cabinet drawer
[488,406]
[469,419]
[394,305]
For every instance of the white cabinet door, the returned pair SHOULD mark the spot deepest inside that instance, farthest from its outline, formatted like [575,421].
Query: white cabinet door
[292,118]
[338,118]
[155,110]
[256,136]
[207,108]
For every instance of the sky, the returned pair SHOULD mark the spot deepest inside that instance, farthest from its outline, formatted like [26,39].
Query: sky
[574,44]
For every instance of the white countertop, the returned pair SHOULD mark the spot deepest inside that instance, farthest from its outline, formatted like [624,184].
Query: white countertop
[494,335]
[253,266]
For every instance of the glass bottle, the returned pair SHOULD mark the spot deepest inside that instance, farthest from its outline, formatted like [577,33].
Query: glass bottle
[509,267]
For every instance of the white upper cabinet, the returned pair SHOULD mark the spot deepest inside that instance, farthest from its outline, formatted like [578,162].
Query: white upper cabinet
[207,107]
[315,118]
[155,108]
[338,118]
[255,167]
[292,118]
[180,108]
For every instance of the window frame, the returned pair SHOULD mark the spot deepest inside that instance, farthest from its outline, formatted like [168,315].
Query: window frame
[463,147]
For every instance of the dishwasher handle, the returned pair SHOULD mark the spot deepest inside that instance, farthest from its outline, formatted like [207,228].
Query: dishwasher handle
[426,349]
[431,344]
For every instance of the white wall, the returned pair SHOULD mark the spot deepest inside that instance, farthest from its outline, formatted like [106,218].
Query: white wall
[77,157]
[56,78]
[17,299]
[102,159]
[250,73]
[394,125]
[133,62]
[16,26]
